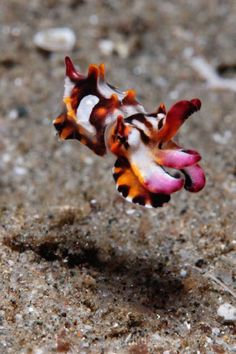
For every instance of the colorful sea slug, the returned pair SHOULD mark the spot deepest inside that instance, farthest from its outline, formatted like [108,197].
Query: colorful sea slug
[108,120]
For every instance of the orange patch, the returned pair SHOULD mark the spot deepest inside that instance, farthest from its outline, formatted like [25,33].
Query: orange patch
[102,70]
[130,97]
[93,70]
[101,112]
[129,186]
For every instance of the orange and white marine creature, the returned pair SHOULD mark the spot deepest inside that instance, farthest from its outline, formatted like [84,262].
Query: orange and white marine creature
[108,120]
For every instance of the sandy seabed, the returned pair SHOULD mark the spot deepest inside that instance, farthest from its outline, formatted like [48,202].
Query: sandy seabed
[83,271]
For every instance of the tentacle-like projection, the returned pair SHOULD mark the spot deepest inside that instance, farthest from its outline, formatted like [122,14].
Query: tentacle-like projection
[194,178]
[178,159]
[176,116]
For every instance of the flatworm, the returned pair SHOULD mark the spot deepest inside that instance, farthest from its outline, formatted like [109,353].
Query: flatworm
[108,120]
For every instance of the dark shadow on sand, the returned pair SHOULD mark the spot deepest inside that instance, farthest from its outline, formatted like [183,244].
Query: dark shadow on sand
[147,277]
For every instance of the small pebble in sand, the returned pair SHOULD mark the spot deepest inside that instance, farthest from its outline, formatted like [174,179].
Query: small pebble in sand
[93,20]
[215,331]
[20,171]
[223,138]
[130,211]
[183,273]
[228,312]
[106,46]
[13,114]
[17,112]
[55,39]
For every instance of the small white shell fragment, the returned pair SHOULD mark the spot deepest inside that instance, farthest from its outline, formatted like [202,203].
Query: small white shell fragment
[183,273]
[130,211]
[55,39]
[228,312]
[106,46]
[215,331]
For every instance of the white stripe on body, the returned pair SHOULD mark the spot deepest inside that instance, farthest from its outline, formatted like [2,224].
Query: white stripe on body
[68,87]
[84,111]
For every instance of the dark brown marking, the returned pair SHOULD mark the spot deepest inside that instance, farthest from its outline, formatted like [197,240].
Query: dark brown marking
[157,200]
[122,162]
[58,126]
[139,199]
[188,181]
[116,175]
[140,117]
[144,137]
[124,190]
[73,135]
[59,122]
[160,123]
[122,139]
